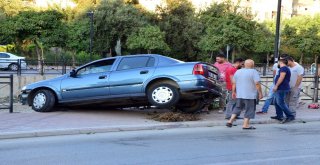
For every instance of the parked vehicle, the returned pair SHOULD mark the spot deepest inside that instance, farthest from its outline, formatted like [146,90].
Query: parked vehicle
[127,81]
[11,61]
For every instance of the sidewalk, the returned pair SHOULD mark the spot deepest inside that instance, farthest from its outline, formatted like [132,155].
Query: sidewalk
[27,123]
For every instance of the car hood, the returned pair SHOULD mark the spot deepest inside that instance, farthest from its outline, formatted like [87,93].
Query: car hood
[54,83]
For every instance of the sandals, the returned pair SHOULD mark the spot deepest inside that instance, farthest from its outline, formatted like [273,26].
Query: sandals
[229,125]
[249,128]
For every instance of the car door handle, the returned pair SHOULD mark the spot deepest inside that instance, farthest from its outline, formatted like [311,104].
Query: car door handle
[102,77]
[144,72]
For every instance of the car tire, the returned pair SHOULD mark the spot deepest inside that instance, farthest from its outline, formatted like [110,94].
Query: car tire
[191,106]
[43,101]
[13,67]
[163,94]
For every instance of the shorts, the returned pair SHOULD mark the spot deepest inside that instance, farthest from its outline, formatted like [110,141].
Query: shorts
[249,105]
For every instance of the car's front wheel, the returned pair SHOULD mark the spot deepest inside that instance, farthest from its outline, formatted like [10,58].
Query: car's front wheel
[163,94]
[43,101]
[13,67]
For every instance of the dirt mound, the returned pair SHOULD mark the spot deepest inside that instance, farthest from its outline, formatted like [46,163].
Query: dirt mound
[173,117]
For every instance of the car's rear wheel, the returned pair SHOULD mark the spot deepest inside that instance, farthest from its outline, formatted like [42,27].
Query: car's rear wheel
[191,106]
[13,67]
[163,94]
[43,101]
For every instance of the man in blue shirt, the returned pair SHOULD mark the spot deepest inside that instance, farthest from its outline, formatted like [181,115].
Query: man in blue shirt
[281,89]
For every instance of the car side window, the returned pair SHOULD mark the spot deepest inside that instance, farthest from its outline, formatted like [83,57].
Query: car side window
[97,67]
[4,55]
[135,62]
[151,62]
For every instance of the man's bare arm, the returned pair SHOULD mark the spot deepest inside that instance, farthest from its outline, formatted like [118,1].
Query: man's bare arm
[281,78]
[258,87]
[298,82]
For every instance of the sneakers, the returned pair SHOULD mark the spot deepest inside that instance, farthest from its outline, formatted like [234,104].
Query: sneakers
[276,118]
[261,113]
[287,120]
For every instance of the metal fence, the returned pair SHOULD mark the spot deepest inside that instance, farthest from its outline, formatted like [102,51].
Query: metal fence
[265,69]
[37,67]
[309,87]
[6,101]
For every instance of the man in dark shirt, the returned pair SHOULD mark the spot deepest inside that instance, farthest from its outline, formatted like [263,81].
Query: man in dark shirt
[281,90]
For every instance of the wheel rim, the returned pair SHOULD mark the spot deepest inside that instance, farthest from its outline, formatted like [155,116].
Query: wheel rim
[162,95]
[14,67]
[39,100]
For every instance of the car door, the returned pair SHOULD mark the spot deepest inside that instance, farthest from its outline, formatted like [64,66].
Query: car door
[4,60]
[130,74]
[89,82]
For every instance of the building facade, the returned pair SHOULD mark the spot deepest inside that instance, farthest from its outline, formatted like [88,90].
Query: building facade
[260,9]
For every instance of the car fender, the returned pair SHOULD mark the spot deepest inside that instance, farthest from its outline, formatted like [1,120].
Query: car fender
[175,79]
[50,87]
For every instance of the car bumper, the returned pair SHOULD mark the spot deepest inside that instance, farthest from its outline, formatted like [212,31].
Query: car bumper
[23,98]
[201,86]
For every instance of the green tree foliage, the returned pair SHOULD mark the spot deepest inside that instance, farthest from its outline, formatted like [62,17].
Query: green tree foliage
[263,43]
[224,27]
[148,38]
[301,36]
[182,28]
[41,29]
[114,21]
[12,7]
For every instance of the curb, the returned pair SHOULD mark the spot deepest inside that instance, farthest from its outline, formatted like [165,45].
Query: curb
[162,126]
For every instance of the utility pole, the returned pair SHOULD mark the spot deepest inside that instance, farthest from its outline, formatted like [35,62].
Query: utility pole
[277,38]
[90,14]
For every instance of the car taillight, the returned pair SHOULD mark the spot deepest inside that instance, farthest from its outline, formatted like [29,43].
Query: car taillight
[198,69]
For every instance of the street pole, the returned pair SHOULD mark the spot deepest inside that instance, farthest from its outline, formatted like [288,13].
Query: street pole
[277,38]
[228,49]
[90,14]
[316,83]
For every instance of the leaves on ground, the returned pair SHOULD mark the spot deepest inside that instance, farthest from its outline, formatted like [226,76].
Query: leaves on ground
[173,117]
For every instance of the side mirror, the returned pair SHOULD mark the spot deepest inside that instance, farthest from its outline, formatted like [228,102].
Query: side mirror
[73,73]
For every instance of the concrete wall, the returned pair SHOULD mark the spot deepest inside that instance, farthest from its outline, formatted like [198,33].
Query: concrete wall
[19,82]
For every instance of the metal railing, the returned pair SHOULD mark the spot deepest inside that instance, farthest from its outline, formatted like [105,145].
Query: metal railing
[37,67]
[308,84]
[265,69]
[8,81]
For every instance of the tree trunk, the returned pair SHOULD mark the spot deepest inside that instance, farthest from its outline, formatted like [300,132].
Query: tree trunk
[73,56]
[149,51]
[233,55]
[301,58]
[211,56]
[39,52]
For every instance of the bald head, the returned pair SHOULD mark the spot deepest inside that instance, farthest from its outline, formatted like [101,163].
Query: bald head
[249,64]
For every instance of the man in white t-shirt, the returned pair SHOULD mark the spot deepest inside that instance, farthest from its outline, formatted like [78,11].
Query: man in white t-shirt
[297,73]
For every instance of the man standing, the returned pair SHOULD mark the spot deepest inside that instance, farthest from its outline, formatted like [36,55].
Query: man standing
[270,98]
[297,72]
[238,63]
[281,89]
[222,64]
[246,85]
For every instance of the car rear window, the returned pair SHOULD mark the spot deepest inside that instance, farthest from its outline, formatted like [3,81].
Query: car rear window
[136,62]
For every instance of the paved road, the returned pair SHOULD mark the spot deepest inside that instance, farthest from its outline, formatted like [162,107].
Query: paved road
[269,144]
